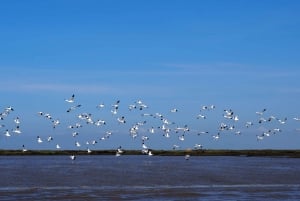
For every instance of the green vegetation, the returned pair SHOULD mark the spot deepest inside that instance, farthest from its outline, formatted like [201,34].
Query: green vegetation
[248,153]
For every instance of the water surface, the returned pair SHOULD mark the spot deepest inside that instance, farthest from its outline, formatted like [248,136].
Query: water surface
[93,177]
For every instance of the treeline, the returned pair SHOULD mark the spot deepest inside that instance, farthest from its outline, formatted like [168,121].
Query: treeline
[203,152]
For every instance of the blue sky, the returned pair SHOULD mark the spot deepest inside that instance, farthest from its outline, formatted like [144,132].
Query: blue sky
[239,55]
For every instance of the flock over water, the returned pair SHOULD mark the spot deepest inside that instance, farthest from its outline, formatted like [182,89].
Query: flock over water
[144,128]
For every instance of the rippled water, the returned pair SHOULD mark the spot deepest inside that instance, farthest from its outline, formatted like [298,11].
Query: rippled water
[93,177]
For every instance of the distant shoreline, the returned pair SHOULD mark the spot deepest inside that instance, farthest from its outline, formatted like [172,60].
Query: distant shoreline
[204,152]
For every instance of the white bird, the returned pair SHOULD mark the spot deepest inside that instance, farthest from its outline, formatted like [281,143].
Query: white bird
[267,133]
[89,120]
[174,110]
[139,102]
[228,112]
[6,133]
[277,129]
[108,133]
[17,120]
[101,105]
[203,132]
[282,121]
[235,118]
[187,157]
[72,157]
[175,146]
[198,146]
[84,116]
[50,138]
[238,132]
[78,125]
[204,107]
[114,111]
[201,116]
[151,130]
[227,116]
[166,121]
[57,146]
[100,122]
[248,124]
[146,114]
[145,151]
[216,137]
[119,151]
[39,139]
[223,127]
[158,115]
[131,107]
[55,123]
[48,116]
[144,146]
[261,120]
[211,107]
[103,138]
[17,130]
[133,131]
[141,123]
[259,137]
[167,134]
[144,138]
[70,126]
[77,144]
[74,134]
[184,129]
[116,105]
[230,127]
[261,112]
[71,99]
[181,138]
[271,118]
[141,105]
[150,153]
[9,109]
[93,142]
[121,120]
[73,108]
[23,148]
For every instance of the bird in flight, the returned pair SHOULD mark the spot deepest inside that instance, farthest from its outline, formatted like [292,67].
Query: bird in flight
[71,99]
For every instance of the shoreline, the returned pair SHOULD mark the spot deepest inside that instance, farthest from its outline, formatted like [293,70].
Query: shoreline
[203,152]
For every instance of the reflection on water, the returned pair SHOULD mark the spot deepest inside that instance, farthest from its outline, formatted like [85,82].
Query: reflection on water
[148,178]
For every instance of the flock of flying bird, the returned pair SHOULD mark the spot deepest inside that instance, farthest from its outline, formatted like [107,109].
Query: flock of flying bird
[142,129]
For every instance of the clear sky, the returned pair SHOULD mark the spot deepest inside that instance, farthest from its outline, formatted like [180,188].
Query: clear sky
[239,55]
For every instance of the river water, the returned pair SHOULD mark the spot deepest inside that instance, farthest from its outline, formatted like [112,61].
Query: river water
[98,177]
